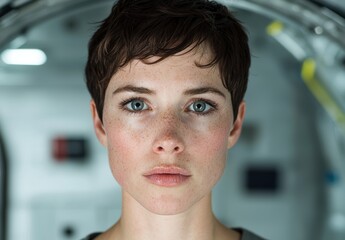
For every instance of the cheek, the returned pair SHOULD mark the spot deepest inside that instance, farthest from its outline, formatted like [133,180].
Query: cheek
[123,148]
[211,150]
[212,138]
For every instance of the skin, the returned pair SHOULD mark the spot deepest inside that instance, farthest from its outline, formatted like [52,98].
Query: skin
[167,130]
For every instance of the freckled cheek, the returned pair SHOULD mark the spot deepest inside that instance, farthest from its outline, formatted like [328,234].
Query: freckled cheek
[123,150]
[212,137]
[211,149]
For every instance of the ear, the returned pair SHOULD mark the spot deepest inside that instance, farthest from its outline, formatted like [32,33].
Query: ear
[237,127]
[98,125]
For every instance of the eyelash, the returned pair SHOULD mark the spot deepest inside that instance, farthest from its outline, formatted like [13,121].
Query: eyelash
[123,104]
[212,104]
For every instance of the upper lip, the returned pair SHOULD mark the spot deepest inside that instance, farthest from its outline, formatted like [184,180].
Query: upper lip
[168,170]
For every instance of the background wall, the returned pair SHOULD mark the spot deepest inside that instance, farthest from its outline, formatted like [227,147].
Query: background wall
[61,200]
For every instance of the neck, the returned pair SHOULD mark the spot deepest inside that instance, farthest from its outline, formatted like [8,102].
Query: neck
[197,223]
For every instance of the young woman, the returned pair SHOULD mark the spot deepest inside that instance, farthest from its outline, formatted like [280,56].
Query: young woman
[167,80]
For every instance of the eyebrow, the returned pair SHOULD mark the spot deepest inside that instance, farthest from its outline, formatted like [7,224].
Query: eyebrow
[195,91]
[131,88]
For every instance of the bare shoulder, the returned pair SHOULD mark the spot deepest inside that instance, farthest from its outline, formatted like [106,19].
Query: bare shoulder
[105,235]
[102,236]
[111,233]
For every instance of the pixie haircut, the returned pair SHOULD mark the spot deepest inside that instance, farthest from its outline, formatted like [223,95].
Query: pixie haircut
[140,29]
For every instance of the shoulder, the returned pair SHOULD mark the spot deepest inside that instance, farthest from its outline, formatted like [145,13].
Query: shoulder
[92,236]
[245,235]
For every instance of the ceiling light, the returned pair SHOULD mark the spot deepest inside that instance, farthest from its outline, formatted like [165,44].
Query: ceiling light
[23,57]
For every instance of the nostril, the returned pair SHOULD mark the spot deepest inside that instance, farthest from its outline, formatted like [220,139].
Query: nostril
[161,149]
[168,145]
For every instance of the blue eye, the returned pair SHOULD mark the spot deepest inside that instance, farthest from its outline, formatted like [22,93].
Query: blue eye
[200,106]
[136,105]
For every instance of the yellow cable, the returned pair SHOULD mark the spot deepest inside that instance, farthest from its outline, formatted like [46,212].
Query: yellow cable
[321,94]
[308,75]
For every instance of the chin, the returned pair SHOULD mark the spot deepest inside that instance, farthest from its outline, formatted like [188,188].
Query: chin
[168,205]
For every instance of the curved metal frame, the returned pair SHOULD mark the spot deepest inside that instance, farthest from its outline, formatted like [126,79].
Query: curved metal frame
[302,14]
[21,19]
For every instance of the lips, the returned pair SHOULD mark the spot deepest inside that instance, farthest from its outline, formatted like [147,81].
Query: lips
[168,176]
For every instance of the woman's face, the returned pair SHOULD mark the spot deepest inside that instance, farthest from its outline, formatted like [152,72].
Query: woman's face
[167,128]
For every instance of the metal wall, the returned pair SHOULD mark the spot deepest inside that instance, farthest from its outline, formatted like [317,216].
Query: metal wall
[284,179]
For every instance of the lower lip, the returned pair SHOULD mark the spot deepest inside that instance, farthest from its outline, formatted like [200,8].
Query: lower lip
[167,180]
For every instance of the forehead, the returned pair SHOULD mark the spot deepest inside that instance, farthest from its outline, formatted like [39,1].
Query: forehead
[187,64]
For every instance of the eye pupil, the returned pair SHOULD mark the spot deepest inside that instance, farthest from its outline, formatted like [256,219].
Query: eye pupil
[137,105]
[199,106]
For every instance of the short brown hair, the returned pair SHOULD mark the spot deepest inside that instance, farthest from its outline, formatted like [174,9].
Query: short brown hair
[139,29]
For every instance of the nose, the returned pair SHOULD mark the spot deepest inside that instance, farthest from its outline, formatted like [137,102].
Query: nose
[168,140]
[168,144]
